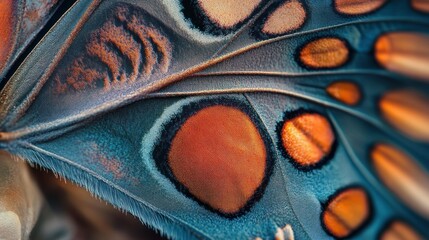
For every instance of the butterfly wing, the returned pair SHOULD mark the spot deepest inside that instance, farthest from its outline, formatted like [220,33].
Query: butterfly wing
[233,123]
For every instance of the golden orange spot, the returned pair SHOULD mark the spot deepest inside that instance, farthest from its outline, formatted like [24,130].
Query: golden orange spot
[346,212]
[7,34]
[307,138]
[219,155]
[356,7]
[289,16]
[403,176]
[405,53]
[399,230]
[420,5]
[407,111]
[326,52]
[227,13]
[346,92]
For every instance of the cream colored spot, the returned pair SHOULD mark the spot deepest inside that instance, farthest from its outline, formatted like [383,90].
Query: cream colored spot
[287,17]
[227,13]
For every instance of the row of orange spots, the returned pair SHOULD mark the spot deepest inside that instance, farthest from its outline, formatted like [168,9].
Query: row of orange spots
[219,156]
[227,14]
[406,53]
[7,30]
[407,111]
[307,138]
[327,52]
[357,7]
[398,230]
[400,173]
[346,212]
[345,92]
[289,16]
[420,5]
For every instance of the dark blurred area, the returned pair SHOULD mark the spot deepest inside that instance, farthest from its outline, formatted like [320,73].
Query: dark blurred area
[70,212]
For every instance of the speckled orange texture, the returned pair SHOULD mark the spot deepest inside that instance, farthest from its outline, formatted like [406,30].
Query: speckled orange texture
[220,157]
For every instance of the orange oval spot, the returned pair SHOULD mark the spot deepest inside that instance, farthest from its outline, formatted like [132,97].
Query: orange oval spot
[408,112]
[357,7]
[405,53]
[346,212]
[226,13]
[219,155]
[400,173]
[307,138]
[346,92]
[289,16]
[7,35]
[420,5]
[324,53]
[398,230]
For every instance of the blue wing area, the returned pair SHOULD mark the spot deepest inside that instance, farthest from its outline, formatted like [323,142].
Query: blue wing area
[103,95]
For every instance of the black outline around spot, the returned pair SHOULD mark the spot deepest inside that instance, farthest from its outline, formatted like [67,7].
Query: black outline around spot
[364,223]
[293,114]
[312,39]
[162,148]
[256,30]
[193,12]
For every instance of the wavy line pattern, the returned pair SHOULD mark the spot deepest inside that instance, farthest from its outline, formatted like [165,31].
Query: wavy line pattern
[123,50]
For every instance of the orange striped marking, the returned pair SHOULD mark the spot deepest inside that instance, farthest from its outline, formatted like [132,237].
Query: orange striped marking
[307,138]
[326,52]
[227,13]
[403,176]
[289,16]
[345,92]
[407,111]
[7,35]
[357,7]
[219,155]
[346,212]
[420,5]
[405,53]
[398,230]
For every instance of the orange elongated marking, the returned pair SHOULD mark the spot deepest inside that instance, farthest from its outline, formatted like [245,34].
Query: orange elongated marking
[357,7]
[346,212]
[219,155]
[401,174]
[326,52]
[405,53]
[7,35]
[289,16]
[398,230]
[344,91]
[226,13]
[420,5]
[307,138]
[407,111]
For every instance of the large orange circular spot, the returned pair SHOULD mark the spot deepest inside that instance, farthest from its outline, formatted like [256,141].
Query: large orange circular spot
[220,157]
[346,212]
[328,52]
[307,138]
[7,35]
